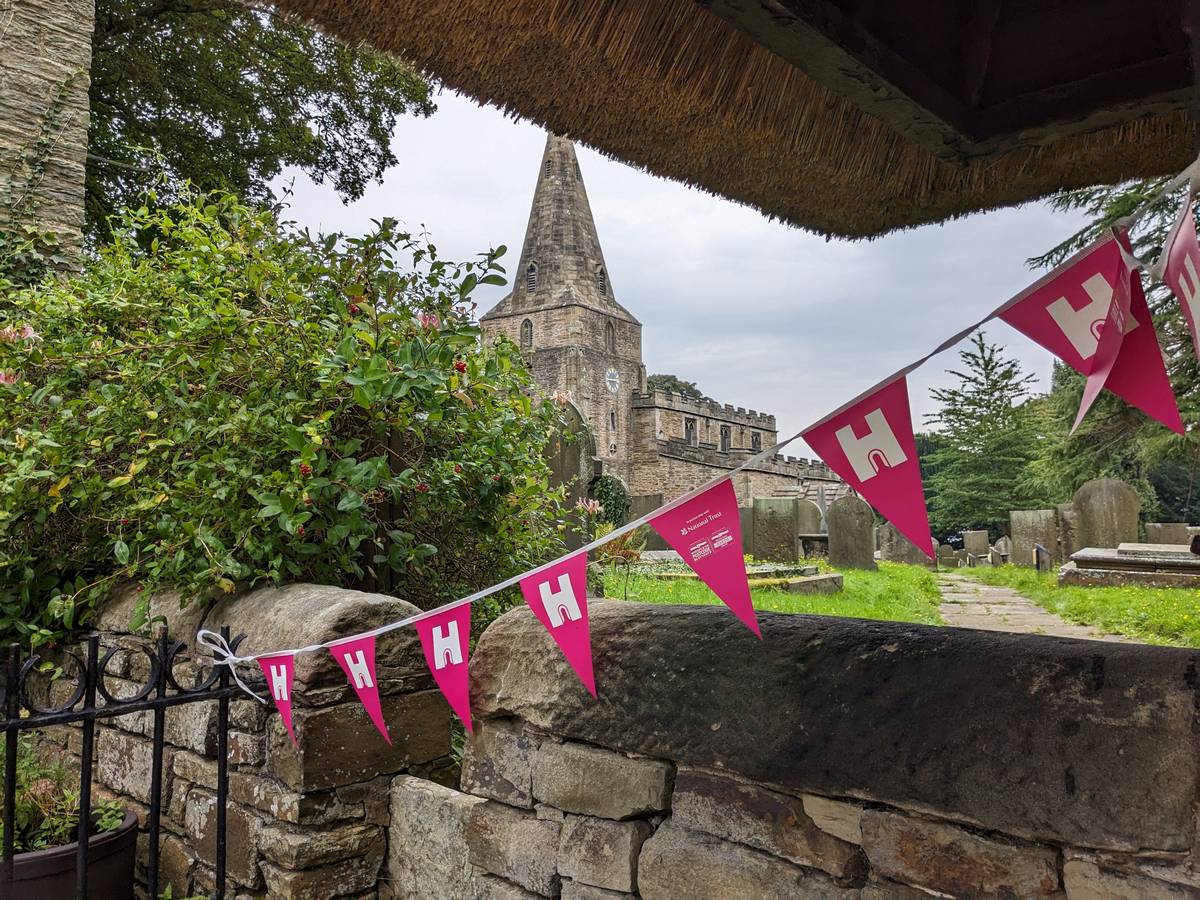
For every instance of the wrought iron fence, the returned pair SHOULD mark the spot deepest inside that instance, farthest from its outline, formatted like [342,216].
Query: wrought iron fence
[90,700]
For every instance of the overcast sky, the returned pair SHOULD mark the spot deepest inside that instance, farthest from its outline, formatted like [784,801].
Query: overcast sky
[757,313]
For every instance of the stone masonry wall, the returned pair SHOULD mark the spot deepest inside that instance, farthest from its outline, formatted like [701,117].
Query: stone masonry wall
[45,61]
[304,822]
[834,758]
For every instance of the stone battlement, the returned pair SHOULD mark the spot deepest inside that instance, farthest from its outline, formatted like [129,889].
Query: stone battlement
[706,407]
[708,455]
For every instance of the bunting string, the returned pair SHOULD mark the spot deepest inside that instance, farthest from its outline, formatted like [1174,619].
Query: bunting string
[699,523]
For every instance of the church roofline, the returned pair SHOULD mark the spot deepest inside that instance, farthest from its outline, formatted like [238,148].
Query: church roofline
[503,310]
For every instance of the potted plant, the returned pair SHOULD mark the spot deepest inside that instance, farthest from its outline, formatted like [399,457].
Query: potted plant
[46,834]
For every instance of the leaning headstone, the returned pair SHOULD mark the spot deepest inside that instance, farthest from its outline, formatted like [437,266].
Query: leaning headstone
[995,557]
[946,557]
[976,542]
[1107,511]
[808,521]
[1029,528]
[1168,533]
[639,505]
[777,529]
[851,541]
[1004,546]
[895,547]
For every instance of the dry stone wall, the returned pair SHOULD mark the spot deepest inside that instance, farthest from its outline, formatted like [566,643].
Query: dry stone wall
[303,822]
[832,759]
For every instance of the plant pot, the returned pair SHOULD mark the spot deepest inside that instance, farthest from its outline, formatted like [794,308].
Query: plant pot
[50,874]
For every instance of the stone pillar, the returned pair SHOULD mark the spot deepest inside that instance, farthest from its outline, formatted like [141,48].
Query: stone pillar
[45,65]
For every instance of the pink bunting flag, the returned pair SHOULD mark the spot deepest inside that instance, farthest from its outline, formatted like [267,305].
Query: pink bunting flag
[445,638]
[1182,271]
[280,670]
[356,656]
[707,532]
[870,444]
[558,597]
[1066,313]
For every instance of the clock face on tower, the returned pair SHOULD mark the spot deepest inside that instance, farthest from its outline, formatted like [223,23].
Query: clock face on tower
[612,380]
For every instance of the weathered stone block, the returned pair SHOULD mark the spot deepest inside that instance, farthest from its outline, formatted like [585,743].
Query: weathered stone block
[943,857]
[515,845]
[1031,527]
[596,782]
[601,852]
[498,763]
[492,887]
[1168,533]
[348,876]
[427,840]
[895,547]
[837,817]
[1106,511]
[976,542]
[193,726]
[777,529]
[124,762]
[574,890]
[766,820]
[304,848]
[679,863]
[247,749]
[241,836]
[339,745]
[992,708]
[1084,880]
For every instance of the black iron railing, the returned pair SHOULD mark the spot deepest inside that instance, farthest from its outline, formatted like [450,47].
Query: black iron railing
[90,700]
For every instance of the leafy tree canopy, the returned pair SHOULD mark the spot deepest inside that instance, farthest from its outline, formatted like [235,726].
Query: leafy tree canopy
[675,385]
[226,95]
[217,401]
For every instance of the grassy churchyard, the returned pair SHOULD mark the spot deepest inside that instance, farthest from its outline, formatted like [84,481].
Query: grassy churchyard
[896,592]
[1151,615]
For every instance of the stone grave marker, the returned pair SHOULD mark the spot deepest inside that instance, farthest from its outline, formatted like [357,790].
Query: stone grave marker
[976,542]
[895,547]
[1167,533]
[851,539]
[1107,513]
[1030,527]
[777,529]
[1068,531]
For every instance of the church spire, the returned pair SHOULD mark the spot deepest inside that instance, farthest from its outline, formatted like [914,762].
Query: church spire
[561,260]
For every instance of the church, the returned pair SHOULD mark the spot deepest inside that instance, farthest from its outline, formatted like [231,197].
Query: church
[578,339]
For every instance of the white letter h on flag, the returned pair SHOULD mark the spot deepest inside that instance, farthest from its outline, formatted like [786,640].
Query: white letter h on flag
[876,450]
[357,665]
[560,605]
[446,647]
[279,683]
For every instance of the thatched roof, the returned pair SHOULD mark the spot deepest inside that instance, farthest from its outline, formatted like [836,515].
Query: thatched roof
[670,87]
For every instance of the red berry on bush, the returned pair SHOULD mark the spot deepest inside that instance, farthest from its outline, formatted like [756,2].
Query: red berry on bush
[305,469]
[460,365]
[300,531]
[457,469]
[355,309]
[496,478]
[423,488]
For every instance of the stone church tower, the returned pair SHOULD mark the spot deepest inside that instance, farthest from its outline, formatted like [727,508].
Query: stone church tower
[563,314]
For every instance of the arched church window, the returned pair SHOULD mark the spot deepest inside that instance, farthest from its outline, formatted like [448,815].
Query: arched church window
[726,436]
[755,441]
[531,278]
[610,337]
[612,420]
[526,335]
[602,281]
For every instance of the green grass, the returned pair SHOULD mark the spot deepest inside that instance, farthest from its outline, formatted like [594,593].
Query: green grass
[1152,615]
[895,593]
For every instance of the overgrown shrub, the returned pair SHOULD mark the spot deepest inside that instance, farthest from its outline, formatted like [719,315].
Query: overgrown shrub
[219,401]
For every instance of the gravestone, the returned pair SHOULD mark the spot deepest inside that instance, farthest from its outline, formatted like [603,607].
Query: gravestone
[976,542]
[572,464]
[746,517]
[895,547]
[1030,527]
[1068,531]
[946,557]
[1168,533]
[1107,511]
[808,517]
[639,505]
[777,529]
[995,557]
[1004,546]
[851,541]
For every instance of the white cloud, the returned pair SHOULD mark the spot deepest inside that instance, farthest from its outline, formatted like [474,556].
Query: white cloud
[759,314]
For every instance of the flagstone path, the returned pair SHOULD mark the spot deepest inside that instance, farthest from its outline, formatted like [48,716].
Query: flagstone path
[967,603]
